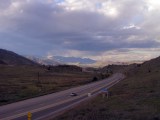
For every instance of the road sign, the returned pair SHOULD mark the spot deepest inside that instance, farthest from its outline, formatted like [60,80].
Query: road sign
[104,92]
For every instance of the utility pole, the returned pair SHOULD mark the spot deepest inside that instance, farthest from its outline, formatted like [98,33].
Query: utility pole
[38,81]
[38,78]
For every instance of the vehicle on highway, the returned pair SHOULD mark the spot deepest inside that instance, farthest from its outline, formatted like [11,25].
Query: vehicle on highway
[73,94]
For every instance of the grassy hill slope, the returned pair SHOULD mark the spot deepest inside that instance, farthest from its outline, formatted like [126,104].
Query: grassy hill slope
[135,98]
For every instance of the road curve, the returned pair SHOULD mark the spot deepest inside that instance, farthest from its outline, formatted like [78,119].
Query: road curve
[50,105]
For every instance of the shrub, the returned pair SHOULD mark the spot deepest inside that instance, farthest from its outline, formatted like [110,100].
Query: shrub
[94,79]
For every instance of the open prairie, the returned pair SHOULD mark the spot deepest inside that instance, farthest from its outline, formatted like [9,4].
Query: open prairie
[22,82]
[135,98]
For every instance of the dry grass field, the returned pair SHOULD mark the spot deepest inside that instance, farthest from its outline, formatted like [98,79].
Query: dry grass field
[135,98]
[22,82]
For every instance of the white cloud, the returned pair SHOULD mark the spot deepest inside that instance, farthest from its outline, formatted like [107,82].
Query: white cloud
[130,26]
[153,4]
[82,28]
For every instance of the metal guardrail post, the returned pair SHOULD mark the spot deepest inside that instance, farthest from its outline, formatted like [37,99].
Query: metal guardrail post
[29,115]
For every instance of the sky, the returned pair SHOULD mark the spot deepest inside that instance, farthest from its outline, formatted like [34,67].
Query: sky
[103,30]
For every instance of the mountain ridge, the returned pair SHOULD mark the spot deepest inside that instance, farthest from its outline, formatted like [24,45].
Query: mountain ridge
[57,60]
[12,58]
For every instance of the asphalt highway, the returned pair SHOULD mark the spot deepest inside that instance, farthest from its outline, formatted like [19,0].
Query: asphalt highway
[48,106]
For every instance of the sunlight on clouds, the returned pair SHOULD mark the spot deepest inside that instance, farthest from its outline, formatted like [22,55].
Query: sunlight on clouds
[131,55]
[67,53]
[77,5]
[112,12]
[13,8]
[130,26]
[15,4]
[109,9]
[153,4]
[106,8]
[49,56]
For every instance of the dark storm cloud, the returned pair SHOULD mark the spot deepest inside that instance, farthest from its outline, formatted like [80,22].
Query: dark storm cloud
[40,27]
[105,46]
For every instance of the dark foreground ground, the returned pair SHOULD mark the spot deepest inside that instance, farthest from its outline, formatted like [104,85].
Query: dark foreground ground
[135,98]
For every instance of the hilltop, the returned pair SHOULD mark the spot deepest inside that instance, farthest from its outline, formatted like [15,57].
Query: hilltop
[11,58]
[2,63]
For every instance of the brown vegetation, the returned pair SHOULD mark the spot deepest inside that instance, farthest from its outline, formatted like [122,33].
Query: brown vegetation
[135,98]
[22,82]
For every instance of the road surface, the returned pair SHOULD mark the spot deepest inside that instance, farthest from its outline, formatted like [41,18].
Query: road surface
[47,106]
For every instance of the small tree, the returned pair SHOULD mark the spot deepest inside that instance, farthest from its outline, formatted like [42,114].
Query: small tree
[94,79]
[49,68]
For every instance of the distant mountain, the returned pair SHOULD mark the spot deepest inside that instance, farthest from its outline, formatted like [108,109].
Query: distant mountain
[74,60]
[58,60]
[11,58]
[43,61]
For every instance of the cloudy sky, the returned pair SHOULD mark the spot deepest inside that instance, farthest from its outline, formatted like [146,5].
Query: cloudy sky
[103,30]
